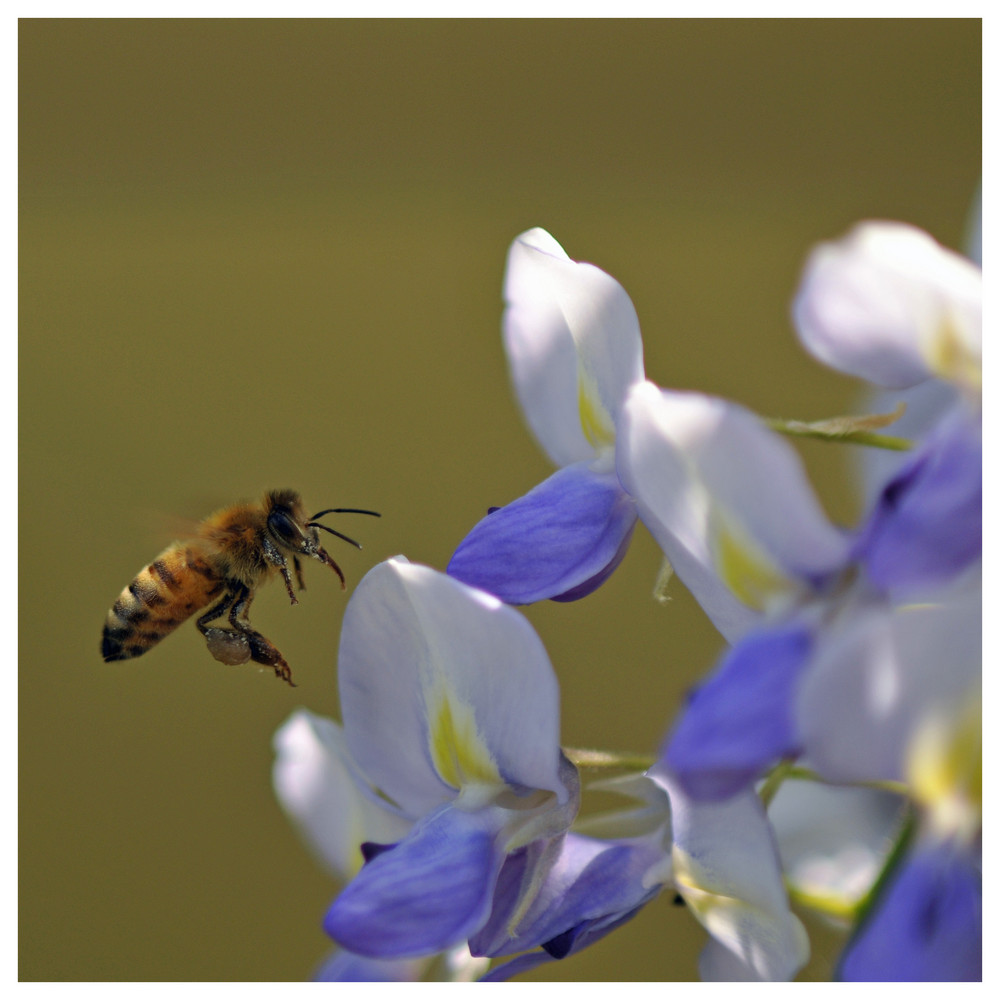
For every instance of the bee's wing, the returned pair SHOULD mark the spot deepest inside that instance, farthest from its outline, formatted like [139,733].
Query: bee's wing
[161,527]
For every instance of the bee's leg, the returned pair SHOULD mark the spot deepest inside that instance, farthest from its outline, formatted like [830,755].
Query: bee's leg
[259,649]
[226,646]
[298,573]
[264,651]
[217,610]
[243,598]
[275,558]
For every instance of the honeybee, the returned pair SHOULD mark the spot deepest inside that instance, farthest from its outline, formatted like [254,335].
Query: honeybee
[233,552]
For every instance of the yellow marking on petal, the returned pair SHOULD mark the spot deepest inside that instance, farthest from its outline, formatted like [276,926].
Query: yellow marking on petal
[715,910]
[836,905]
[702,902]
[459,755]
[951,358]
[732,920]
[748,573]
[945,768]
[595,421]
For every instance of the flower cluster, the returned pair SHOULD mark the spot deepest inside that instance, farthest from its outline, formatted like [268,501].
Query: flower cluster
[832,755]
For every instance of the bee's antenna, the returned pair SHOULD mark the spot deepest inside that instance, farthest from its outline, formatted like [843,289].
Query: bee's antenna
[344,510]
[314,524]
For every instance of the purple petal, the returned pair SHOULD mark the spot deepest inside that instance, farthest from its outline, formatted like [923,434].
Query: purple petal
[928,926]
[741,719]
[928,524]
[560,541]
[925,404]
[523,963]
[431,891]
[343,967]
[568,943]
[591,886]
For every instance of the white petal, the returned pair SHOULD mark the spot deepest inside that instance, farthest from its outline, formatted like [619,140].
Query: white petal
[573,344]
[833,840]
[728,502]
[674,505]
[318,787]
[888,304]
[878,674]
[756,477]
[444,689]
[461,966]
[726,868]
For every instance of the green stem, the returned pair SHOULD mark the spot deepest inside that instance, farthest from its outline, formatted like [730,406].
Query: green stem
[899,848]
[858,911]
[795,428]
[775,780]
[866,904]
[798,773]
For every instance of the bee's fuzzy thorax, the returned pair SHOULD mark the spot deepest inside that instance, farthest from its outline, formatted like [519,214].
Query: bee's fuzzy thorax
[236,532]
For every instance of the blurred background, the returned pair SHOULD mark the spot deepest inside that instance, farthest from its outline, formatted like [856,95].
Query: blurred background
[268,253]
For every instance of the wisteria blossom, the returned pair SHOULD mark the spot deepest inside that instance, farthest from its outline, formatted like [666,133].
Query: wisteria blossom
[485,864]
[729,504]
[451,711]
[894,695]
[834,751]
[322,790]
[574,349]
[888,304]
[891,306]
[720,857]
[737,525]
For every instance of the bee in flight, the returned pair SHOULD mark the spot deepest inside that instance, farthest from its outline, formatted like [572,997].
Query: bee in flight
[233,552]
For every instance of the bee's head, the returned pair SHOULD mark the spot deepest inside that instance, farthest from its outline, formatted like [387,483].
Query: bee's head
[288,524]
[294,531]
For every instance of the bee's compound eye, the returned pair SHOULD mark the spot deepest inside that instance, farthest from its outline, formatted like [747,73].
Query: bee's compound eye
[283,526]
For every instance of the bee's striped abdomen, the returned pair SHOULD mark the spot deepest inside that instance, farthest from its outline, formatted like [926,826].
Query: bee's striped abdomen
[165,594]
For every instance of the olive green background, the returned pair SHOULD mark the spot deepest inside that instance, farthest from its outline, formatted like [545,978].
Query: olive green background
[269,253]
